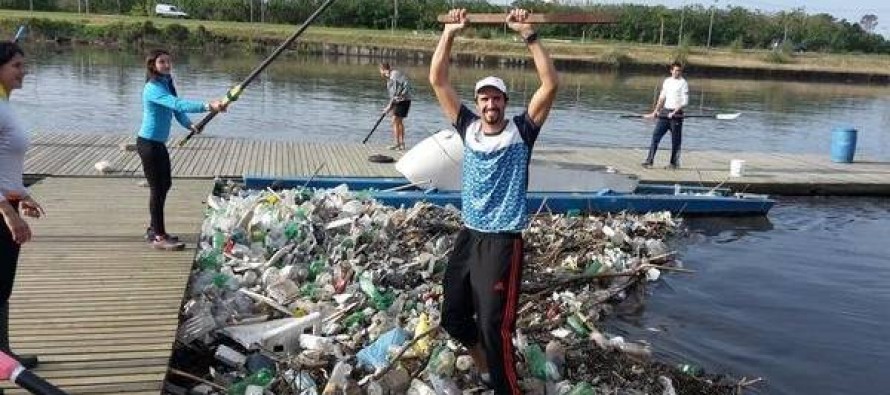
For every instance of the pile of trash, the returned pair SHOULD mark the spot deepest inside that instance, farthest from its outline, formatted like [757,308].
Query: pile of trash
[327,291]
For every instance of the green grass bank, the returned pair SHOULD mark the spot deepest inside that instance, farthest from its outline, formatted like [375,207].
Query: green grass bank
[574,53]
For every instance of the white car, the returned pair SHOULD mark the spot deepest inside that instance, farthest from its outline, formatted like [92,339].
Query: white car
[169,10]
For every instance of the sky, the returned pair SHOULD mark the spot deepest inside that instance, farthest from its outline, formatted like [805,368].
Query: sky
[851,11]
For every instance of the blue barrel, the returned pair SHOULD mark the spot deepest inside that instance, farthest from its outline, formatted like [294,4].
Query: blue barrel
[843,144]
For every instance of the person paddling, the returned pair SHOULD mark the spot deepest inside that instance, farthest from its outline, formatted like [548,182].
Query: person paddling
[160,103]
[668,109]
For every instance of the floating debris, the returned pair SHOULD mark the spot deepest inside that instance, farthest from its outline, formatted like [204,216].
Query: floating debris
[327,291]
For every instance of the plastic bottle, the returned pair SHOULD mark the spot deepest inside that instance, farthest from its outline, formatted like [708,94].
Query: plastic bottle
[219,240]
[536,361]
[442,362]
[354,319]
[261,378]
[556,359]
[444,385]
[690,369]
[578,325]
[395,381]
[380,301]
[422,346]
[582,388]
[339,378]
[315,268]
[292,230]
[420,388]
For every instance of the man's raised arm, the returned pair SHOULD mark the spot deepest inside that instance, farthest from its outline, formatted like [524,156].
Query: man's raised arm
[542,100]
[448,99]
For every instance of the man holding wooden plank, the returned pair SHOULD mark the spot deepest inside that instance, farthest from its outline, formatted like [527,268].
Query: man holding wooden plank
[482,279]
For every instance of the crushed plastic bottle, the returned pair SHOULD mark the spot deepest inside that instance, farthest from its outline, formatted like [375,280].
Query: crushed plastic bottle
[339,378]
[442,362]
[380,301]
[444,385]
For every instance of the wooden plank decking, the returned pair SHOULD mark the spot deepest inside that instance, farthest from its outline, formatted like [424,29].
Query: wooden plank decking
[203,157]
[91,298]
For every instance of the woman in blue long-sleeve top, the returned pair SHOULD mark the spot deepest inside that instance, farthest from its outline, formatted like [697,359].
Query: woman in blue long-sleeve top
[160,104]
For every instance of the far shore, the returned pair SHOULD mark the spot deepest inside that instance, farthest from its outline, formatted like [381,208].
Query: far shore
[570,53]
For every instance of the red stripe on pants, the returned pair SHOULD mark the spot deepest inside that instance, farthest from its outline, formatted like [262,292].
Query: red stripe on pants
[509,317]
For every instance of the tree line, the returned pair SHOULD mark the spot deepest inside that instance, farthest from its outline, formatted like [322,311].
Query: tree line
[695,25]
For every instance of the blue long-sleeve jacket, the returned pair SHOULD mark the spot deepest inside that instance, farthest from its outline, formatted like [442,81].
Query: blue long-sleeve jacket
[160,105]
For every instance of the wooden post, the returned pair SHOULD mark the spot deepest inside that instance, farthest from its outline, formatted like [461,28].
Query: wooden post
[661,32]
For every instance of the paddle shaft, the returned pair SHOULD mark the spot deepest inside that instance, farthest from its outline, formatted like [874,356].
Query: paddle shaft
[389,108]
[19,34]
[233,93]
[536,18]
[376,124]
[715,116]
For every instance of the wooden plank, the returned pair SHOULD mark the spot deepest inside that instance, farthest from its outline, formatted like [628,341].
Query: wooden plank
[587,18]
[92,293]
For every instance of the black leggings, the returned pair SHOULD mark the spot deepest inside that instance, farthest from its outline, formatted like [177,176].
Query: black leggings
[9,257]
[156,166]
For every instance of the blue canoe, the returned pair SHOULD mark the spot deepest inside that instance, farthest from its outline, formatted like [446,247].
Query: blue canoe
[646,198]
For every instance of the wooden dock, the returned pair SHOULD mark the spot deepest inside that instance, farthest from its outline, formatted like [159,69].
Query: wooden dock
[66,155]
[91,298]
[100,307]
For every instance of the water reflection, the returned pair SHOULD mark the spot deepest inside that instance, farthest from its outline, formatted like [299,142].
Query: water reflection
[337,98]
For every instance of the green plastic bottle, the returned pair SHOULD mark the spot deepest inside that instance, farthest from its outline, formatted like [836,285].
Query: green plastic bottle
[536,361]
[354,319]
[594,268]
[219,240]
[262,378]
[210,260]
[582,388]
[292,230]
[578,325]
[315,268]
[380,300]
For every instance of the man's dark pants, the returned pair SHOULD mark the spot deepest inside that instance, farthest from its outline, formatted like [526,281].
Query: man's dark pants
[675,125]
[482,279]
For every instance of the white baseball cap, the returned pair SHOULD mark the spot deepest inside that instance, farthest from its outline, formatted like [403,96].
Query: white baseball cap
[493,82]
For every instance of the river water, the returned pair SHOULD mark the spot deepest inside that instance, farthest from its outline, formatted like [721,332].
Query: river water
[799,298]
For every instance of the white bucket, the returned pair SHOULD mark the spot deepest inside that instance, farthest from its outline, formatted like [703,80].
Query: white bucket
[736,168]
[435,162]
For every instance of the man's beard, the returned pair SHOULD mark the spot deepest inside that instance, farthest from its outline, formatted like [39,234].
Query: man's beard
[493,119]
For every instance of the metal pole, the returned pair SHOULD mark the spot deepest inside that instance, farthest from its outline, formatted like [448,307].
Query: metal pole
[711,24]
[682,14]
[395,14]
[661,32]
